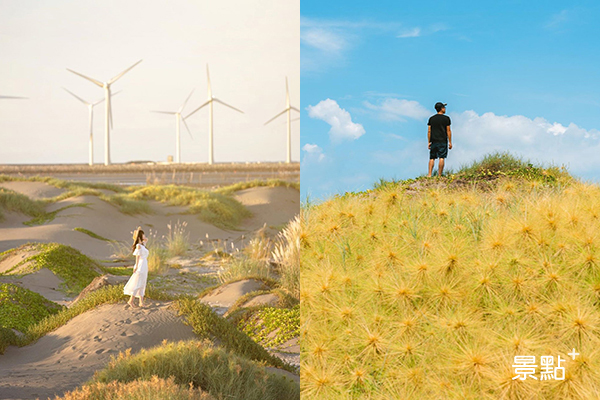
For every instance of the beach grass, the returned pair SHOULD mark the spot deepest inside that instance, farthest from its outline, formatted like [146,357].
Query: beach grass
[216,371]
[208,325]
[429,289]
[230,189]
[154,388]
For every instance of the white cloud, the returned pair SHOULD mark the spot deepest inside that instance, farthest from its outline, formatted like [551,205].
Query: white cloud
[536,139]
[414,32]
[342,127]
[314,153]
[396,109]
[324,40]
[559,19]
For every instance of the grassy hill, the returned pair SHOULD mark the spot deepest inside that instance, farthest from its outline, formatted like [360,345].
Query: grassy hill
[428,288]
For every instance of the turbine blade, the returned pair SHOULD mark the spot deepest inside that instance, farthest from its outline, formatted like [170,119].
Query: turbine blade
[187,127]
[77,97]
[109,105]
[294,108]
[87,77]
[275,117]
[197,109]
[12,97]
[123,73]
[295,119]
[225,104]
[164,112]
[186,100]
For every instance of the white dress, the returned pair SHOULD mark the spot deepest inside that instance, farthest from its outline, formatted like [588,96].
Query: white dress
[136,285]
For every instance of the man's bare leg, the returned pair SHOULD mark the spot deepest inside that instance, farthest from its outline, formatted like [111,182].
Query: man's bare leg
[441,166]
[431,162]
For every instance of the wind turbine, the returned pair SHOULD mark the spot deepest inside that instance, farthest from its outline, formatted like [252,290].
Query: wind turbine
[108,108]
[288,110]
[90,107]
[178,118]
[12,97]
[210,102]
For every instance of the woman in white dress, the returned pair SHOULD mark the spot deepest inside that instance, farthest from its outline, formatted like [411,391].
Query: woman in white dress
[136,285]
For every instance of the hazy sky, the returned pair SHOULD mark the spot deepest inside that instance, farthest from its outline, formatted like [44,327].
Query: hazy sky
[251,46]
[518,76]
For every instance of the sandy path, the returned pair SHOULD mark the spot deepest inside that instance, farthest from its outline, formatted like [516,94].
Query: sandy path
[68,356]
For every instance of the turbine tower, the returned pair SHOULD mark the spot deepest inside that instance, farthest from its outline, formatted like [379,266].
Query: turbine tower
[210,102]
[288,110]
[108,108]
[178,118]
[90,107]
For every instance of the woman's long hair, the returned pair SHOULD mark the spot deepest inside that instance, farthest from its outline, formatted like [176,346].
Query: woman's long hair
[137,237]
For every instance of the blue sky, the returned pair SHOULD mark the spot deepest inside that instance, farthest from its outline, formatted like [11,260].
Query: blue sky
[521,76]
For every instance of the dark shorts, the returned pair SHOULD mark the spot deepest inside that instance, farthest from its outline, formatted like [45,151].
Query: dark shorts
[438,150]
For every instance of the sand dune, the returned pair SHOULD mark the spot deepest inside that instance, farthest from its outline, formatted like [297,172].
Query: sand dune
[275,206]
[43,282]
[34,190]
[68,356]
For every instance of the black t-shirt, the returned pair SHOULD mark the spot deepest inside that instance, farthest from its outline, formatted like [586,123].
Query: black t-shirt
[438,123]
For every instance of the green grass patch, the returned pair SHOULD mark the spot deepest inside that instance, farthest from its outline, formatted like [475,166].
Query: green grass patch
[74,268]
[20,309]
[220,373]
[121,271]
[230,189]
[11,201]
[91,234]
[207,324]
[211,207]
[62,184]
[272,326]
[49,216]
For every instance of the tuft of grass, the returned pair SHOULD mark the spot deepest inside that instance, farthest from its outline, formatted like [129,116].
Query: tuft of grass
[256,183]
[207,324]
[211,207]
[12,201]
[245,268]
[177,241]
[46,217]
[91,234]
[7,338]
[220,373]
[286,255]
[76,269]
[154,388]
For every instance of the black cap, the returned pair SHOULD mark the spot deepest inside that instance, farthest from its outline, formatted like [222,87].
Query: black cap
[438,106]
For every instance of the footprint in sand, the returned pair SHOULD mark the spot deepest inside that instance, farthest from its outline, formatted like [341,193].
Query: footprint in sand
[97,338]
[100,351]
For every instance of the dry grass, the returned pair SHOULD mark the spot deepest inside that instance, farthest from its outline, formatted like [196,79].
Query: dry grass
[154,388]
[431,293]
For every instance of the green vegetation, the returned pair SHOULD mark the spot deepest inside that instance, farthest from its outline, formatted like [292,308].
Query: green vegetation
[46,217]
[220,373]
[76,269]
[272,326]
[244,268]
[91,234]
[207,324]
[154,388]
[17,202]
[122,271]
[21,308]
[62,184]
[211,207]
[256,183]
[7,338]
[431,292]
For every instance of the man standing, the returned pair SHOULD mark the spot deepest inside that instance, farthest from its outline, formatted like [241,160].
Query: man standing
[439,137]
